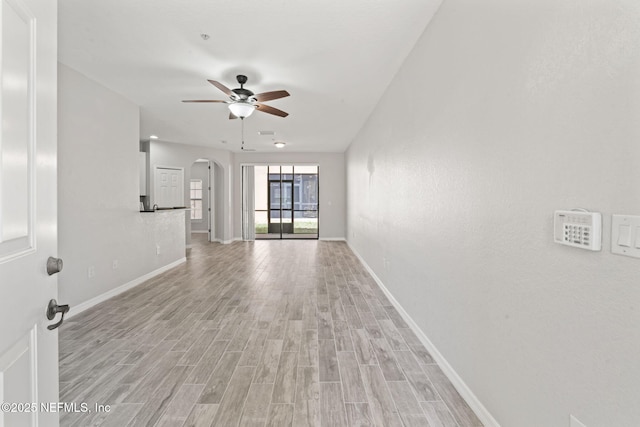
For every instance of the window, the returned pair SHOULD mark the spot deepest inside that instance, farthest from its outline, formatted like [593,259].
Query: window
[196,199]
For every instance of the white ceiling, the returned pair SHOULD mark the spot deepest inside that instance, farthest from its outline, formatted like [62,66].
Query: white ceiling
[335,57]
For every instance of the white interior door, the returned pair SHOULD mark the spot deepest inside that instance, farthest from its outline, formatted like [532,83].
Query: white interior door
[28,203]
[169,187]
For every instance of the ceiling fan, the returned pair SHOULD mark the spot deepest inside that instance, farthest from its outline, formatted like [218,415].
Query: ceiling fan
[242,102]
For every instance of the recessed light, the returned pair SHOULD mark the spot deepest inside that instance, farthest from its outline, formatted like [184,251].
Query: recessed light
[279,144]
[266,132]
[153,136]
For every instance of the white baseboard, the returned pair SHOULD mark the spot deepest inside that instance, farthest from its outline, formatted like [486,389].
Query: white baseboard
[333,239]
[472,400]
[199,231]
[77,309]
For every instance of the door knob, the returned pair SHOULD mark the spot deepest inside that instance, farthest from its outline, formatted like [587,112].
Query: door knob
[52,309]
[54,265]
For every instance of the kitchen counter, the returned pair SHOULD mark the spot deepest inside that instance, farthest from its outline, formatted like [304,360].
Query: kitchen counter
[178,208]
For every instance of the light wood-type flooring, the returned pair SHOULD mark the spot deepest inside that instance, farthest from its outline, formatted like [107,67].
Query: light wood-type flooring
[268,333]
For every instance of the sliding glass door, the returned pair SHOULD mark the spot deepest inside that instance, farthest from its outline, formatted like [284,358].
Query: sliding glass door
[286,199]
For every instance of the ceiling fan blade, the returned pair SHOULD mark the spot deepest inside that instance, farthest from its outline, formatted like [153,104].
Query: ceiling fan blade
[267,109]
[222,87]
[203,100]
[269,96]
[231,116]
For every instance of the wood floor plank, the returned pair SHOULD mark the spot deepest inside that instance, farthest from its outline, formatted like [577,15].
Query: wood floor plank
[217,384]
[286,376]
[232,403]
[272,333]
[205,367]
[307,399]
[404,398]
[390,332]
[325,325]
[201,416]
[381,403]
[199,348]
[351,378]
[293,336]
[438,414]
[256,410]
[280,415]
[328,361]
[386,360]
[268,365]
[146,363]
[414,420]
[462,413]
[342,335]
[363,348]
[184,401]
[254,349]
[155,406]
[332,410]
[153,379]
[309,348]
[358,415]
[277,329]
[118,415]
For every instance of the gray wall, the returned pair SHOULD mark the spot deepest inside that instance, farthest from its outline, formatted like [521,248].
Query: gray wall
[200,170]
[98,202]
[504,112]
[332,187]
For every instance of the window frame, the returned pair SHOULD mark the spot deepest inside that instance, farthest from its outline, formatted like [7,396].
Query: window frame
[193,199]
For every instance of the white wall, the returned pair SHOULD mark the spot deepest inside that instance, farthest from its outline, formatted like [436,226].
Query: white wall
[183,155]
[98,202]
[332,187]
[504,112]
[200,170]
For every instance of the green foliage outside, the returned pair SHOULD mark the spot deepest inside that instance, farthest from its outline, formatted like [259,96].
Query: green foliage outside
[299,227]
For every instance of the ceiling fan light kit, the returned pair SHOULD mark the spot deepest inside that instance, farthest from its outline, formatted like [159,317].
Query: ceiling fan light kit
[242,109]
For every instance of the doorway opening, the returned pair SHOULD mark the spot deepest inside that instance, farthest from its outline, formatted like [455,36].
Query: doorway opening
[286,202]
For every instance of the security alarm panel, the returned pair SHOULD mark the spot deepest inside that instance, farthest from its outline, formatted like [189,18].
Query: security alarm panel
[578,229]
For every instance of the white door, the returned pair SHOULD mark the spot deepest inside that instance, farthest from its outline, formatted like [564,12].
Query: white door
[28,203]
[169,187]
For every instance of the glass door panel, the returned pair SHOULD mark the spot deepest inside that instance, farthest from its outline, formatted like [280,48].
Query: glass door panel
[289,206]
[274,205]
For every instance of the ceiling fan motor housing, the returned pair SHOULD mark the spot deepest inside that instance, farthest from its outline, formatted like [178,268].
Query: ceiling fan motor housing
[242,93]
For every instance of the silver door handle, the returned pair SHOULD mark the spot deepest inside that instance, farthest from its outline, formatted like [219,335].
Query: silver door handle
[54,265]
[52,309]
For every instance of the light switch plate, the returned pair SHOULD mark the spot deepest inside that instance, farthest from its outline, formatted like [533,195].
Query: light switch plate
[625,235]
